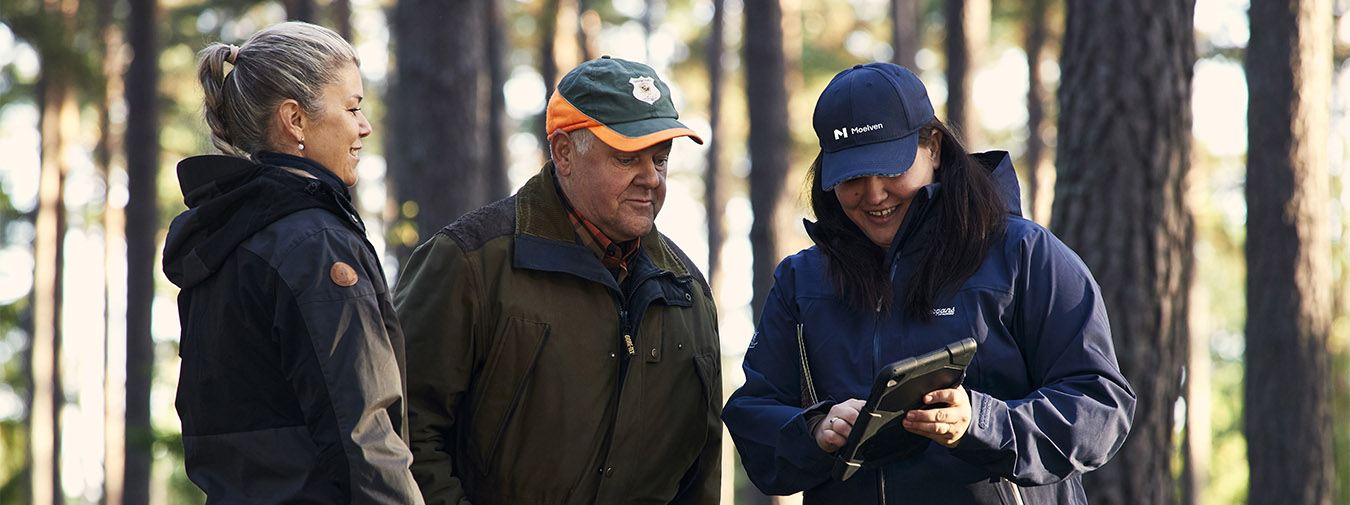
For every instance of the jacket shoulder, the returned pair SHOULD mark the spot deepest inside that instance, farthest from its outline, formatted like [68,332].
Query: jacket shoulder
[474,229]
[304,247]
[688,264]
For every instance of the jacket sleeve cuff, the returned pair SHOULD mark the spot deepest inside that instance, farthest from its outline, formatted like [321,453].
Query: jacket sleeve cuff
[799,446]
[988,433]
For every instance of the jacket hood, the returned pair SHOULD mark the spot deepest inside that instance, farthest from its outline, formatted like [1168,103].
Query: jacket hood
[230,198]
[999,164]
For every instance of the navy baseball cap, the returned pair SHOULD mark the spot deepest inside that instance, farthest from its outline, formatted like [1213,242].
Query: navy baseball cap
[868,121]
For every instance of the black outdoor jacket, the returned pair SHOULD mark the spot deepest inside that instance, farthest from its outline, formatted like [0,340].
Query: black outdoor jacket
[291,388]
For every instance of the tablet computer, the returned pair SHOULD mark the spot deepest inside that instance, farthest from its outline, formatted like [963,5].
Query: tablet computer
[878,438]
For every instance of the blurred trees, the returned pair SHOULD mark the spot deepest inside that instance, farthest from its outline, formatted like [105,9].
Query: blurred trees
[1123,155]
[1288,253]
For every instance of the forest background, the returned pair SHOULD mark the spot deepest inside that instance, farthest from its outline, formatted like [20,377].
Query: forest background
[1193,152]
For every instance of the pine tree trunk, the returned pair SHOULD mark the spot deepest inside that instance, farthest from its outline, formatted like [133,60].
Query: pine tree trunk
[1039,174]
[142,212]
[299,10]
[967,33]
[766,98]
[44,431]
[1287,417]
[1123,153]
[905,40]
[114,230]
[714,197]
[342,19]
[548,66]
[496,182]
[437,104]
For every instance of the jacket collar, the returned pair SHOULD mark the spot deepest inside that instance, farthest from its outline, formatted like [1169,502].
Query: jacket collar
[306,165]
[546,240]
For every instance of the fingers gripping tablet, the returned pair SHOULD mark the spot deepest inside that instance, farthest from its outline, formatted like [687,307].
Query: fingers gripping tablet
[878,437]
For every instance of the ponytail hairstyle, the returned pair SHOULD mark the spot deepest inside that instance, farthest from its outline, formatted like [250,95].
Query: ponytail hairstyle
[968,217]
[292,60]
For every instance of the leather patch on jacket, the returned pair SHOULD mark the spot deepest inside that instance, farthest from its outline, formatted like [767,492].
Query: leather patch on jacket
[342,274]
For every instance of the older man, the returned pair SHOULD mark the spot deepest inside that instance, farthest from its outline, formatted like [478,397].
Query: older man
[560,349]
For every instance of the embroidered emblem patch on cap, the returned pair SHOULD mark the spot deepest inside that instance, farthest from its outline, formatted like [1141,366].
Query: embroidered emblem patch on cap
[644,88]
[342,274]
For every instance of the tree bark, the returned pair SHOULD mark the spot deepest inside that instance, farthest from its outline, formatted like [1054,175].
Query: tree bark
[766,99]
[1123,153]
[1039,175]
[714,197]
[437,101]
[905,27]
[299,10]
[1288,64]
[142,213]
[342,18]
[548,65]
[967,33]
[495,177]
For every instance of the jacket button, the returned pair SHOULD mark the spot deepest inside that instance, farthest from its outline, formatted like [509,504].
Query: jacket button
[609,472]
[679,346]
[653,353]
[688,297]
[612,355]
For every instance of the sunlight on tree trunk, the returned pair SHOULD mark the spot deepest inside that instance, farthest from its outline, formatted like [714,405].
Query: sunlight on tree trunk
[1288,253]
[967,36]
[1040,175]
[59,126]
[114,228]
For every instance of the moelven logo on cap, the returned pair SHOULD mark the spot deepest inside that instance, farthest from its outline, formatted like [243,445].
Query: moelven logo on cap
[842,133]
[644,88]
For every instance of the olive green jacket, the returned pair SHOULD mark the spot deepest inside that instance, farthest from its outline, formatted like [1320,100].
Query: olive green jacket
[521,385]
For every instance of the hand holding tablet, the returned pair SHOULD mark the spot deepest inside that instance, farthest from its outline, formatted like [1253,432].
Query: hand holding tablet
[879,435]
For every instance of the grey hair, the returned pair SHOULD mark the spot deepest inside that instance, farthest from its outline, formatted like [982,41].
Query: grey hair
[292,60]
[582,139]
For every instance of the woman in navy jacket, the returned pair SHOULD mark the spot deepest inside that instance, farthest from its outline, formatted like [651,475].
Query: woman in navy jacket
[920,244]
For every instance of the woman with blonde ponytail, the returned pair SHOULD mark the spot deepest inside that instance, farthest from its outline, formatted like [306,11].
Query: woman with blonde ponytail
[292,380]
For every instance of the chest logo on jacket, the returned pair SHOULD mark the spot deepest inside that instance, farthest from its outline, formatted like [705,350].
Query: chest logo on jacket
[948,311]
[342,274]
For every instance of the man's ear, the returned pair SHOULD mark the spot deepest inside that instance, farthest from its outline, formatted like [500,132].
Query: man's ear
[560,149]
[291,121]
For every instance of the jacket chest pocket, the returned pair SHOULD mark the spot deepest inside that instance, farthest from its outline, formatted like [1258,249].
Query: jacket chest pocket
[501,385]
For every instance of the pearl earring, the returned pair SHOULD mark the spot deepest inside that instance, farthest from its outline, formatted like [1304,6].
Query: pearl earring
[302,146]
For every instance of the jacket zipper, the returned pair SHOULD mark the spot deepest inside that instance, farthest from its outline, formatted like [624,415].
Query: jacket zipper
[1016,492]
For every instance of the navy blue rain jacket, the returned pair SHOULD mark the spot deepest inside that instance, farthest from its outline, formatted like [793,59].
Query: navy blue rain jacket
[1048,401]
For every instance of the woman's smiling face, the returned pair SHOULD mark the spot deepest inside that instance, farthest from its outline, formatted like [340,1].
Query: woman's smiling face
[333,138]
[877,204]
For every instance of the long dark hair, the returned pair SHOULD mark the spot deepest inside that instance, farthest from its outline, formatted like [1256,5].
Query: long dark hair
[968,217]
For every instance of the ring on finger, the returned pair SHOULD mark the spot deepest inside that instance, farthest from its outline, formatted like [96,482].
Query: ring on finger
[832,420]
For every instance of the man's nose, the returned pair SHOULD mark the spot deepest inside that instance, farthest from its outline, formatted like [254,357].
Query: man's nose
[649,174]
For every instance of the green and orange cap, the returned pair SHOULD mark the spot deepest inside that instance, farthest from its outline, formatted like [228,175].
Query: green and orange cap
[622,102]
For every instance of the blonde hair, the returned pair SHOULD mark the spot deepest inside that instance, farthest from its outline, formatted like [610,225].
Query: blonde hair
[292,60]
